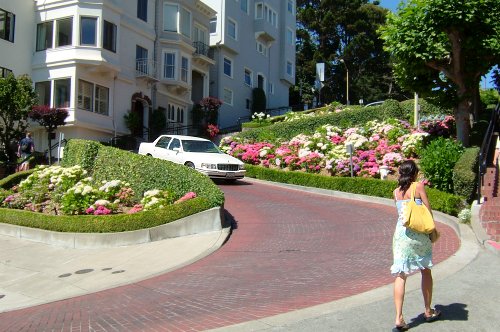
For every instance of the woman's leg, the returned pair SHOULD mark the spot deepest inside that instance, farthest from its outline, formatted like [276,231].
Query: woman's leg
[399,296]
[427,284]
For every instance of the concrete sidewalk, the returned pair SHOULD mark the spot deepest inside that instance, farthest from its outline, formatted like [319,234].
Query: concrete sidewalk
[27,278]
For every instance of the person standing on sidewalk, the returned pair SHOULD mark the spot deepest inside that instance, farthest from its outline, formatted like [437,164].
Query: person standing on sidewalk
[25,149]
[411,251]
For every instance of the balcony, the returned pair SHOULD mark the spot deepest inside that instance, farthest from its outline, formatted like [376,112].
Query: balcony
[146,69]
[202,54]
[265,30]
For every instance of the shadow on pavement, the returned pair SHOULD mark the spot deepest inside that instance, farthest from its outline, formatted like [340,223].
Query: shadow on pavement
[452,312]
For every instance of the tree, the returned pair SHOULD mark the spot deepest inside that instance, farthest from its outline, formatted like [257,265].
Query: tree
[16,99]
[50,118]
[259,101]
[329,30]
[441,48]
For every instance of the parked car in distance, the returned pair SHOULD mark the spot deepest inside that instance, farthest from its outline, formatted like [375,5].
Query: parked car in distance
[195,152]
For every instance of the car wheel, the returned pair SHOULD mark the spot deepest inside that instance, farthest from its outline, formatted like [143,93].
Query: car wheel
[189,164]
[149,155]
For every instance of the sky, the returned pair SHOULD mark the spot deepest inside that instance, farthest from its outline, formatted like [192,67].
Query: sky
[393,5]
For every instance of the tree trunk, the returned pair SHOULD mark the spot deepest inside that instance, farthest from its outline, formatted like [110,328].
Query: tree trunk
[462,118]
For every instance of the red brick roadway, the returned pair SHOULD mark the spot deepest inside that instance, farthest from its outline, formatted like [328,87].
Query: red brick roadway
[289,250]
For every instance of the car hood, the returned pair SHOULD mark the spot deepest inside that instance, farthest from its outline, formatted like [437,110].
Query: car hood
[214,158]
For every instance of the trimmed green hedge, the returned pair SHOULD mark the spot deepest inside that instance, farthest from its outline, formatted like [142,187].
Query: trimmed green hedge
[104,224]
[440,201]
[465,174]
[347,118]
[142,172]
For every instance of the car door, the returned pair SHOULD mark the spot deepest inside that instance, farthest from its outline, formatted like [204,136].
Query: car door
[161,148]
[174,151]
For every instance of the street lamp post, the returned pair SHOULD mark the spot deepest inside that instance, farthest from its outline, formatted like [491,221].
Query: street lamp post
[347,82]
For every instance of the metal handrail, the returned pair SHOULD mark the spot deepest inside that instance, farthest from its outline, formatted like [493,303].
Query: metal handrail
[484,152]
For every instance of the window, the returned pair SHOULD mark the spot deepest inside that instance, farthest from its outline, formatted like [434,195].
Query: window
[142,10]
[213,25]
[289,36]
[7,24]
[231,28]
[4,72]
[180,115]
[109,36]
[85,95]
[248,77]
[263,11]
[171,113]
[176,144]
[64,32]
[184,69]
[270,88]
[290,6]
[228,96]
[42,89]
[44,35]
[163,142]
[186,23]
[289,68]
[228,64]
[169,66]
[170,17]
[88,28]
[101,100]
[200,35]
[261,48]
[244,5]
[259,13]
[141,59]
[62,92]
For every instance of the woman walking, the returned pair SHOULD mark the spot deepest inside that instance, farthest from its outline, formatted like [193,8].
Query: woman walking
[411,251]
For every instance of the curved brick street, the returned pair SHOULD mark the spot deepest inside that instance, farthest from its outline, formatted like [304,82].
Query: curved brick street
[288,250]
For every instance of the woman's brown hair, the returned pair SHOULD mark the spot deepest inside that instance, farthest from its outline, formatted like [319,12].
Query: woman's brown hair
[408,171]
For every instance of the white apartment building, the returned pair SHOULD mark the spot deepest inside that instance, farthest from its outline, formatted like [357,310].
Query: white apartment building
[101,59]
[254,46]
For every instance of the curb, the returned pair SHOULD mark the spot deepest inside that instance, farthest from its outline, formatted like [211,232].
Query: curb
[202,222]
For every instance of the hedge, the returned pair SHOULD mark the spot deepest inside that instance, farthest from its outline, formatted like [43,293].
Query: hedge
[142,172]
[440,201]
[465,174]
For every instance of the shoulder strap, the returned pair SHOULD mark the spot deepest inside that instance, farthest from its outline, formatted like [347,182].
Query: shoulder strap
[413,189]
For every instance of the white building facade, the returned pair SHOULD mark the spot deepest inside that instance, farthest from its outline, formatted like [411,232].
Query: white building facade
[254,46]
[104,59]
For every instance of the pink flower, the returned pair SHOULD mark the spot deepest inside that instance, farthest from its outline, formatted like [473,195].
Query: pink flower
[188,196]
[90,210]
[136,208]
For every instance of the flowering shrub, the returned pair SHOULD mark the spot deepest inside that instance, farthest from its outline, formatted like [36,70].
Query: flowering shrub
[260,117]
[376,144]
[60,190]
[212,130]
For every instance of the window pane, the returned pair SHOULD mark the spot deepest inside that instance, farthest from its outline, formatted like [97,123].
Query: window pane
[141,59]
[248,77]
[42,89]
[64,32]
[227,67]
[101,99]
[3,21]
[169,70]
[142,10]
[84,101]
[244,5]
[62,92]
[231,29]
[88,31]
[186,23]
[184,69]
[169,17]
[44,36]
[228,96]
[7,23]
[109,36]
[213,25]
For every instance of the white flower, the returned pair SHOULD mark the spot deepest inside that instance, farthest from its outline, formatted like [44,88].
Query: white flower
[102,202]
[278,162]
[153,192]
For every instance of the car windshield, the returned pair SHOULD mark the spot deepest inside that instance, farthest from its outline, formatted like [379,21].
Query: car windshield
[200,146]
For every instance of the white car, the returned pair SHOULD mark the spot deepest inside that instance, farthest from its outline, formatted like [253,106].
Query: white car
[195,152]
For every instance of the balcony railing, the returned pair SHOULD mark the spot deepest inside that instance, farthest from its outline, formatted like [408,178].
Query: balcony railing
[201,48]
[145,68]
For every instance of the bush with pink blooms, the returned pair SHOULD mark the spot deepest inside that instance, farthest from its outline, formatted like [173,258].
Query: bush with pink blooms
[375,144]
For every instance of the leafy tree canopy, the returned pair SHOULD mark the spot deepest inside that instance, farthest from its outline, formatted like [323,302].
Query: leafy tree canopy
[442,48]
[16,99]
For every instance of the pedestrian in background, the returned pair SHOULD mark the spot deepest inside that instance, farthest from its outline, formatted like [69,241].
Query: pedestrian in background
[411,251]
[25,149]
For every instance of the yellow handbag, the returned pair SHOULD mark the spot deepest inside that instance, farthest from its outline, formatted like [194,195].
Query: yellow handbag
[417,217]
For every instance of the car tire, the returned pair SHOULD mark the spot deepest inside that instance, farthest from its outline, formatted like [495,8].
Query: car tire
[149,155]
[189,164]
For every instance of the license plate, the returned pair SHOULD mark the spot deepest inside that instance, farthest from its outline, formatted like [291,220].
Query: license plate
[229,175]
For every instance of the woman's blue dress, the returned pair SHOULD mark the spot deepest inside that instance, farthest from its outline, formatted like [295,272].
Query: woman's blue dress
[411,251]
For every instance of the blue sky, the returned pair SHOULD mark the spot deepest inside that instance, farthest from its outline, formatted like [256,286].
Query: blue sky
[393,5]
